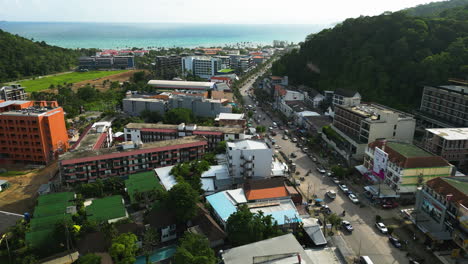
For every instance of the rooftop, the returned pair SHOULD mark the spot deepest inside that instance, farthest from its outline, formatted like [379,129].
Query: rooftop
[247,144]
[345,92]
[278,248]
[297,106]
[88,155]
[182,84]
[265,189]
[450,133]
[223,129]
[278,209]
[408,150]
[226,70]
[223,204]
[229,116]
[455,88]
[165,177]
[453,188]
[373,111]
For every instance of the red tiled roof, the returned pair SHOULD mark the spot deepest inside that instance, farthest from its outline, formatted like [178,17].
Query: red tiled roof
[133,152]
[281,91]
[276,78]
[100,141]
[258,57]
[442,186]
[265,189]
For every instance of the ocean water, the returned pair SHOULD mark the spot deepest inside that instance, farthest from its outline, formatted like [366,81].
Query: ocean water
[145,35]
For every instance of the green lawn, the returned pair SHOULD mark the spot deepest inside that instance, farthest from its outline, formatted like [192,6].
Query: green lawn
[13,173]
[74,77]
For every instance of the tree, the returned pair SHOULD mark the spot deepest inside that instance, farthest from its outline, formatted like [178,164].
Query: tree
[151,116]
[250,114]
[334,220]
[339,171]
[194,249]
[183,199]
[150,241]
[64,232]
[124,248]
[244,227]
[90,258]
[178,115]
[260,129]
[220,147]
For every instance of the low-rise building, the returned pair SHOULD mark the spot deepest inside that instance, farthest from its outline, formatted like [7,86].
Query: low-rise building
[182,85]
[312,97]
[225,203]
[449,143]
[226,119]
[86,165]
[249,159]
[12,92]
[399,168]
[445,106]
[346,97]
[441,211]
[148,132]
[135,105]
[32,132]
[106,62]
[354,127]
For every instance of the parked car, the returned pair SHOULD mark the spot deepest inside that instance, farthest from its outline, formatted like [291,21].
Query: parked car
[285,137]
[321,170]
[347,225]
[270,128]
[331,194]
[343,187]
[353,198]
[305,150]
[381,227]
[329,174]
[314,159]
[293,155]
[389,204]
[277,147]
[335,180]
[294,140]
[395,242]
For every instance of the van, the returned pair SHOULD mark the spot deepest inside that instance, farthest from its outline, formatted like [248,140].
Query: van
[365,260]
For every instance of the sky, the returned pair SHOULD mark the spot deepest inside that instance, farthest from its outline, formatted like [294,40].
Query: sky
[198,11]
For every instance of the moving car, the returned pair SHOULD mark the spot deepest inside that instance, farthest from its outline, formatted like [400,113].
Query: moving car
[347,225]
[321,170]
[305,150]
[389,204]
[395,242]
[353,198]
[331,194]
[293,155]
[381,227]
[343,187]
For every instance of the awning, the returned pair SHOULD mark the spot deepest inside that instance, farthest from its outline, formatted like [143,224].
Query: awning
[363,170]
[382,191]
[318,200]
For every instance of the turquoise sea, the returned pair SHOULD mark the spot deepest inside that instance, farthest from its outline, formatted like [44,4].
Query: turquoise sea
[144,35]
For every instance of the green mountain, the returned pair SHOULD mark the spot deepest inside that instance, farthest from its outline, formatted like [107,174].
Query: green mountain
[21,57]
[434,9]
[386,58]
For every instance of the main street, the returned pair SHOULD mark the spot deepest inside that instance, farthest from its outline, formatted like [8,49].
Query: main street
[365,239]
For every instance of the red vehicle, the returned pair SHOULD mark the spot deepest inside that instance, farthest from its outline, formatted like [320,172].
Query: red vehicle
[389,204]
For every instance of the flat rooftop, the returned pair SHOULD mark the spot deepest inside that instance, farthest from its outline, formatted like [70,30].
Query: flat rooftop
[181,84]
[223,129]
[451,133]
[157,144]
[229,116]
[455,88]
[372,111]
[408,150]
[247,144]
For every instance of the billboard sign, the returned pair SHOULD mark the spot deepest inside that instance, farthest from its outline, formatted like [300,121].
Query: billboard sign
[380,163]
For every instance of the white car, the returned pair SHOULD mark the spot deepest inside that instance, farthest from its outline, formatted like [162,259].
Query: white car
[277,147]
[353,198]
[344,188]
[294,140]
[321,170]
[381,227]
[336,180]
[285,137]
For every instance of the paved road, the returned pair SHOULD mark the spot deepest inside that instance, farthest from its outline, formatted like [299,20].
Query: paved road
[365,240]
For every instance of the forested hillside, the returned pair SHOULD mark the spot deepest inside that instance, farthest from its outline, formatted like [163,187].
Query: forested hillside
[387,58]
[21,57]
[435,8]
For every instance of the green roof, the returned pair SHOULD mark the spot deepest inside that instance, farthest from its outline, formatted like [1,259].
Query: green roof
[460,183]
[105,209]
[38,223]
[54,198]
[40,237]
[51,209]
[226,70]
[408,150]
[141,182]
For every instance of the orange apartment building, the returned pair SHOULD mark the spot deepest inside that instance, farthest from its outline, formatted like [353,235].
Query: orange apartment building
[31,131]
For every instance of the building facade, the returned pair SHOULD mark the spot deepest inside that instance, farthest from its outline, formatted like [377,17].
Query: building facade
[407,166]
[145,133]
[444,106]
[249,159]
[106,62]
[442,211]
[449,143]
[32,132]
[201,66]
[357,126]
[134,106]
[12,92]
[89,165]
[167,63]
[224,119]
[346,97]
[199,105]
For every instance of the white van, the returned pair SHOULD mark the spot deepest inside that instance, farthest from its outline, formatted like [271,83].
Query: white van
[365,260]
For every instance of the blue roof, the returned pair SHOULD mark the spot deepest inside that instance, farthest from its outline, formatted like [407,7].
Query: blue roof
[279,216]
[222,205]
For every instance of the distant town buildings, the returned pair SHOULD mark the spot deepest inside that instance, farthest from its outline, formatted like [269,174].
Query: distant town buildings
[449,143]
[12,92]
[128,158]
[225,119]
[32,132]
[445,106]
[356,126]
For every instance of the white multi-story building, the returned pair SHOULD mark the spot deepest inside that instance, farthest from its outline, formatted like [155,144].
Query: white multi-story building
[346,97]
[202,66]
[249,159]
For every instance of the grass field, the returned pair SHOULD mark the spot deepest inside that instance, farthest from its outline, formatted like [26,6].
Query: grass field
[13,173]
[73,77]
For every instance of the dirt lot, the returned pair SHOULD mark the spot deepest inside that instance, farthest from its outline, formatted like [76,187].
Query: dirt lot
[120,77]
[21,196]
